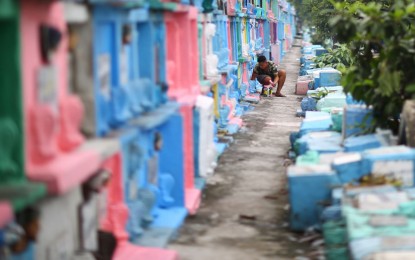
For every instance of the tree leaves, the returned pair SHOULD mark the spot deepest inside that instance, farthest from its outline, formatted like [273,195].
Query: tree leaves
[377,58]
[410,88]
[389,83]
[382,47]
[338,58]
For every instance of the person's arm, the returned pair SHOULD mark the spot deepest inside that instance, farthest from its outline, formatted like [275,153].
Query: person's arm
[274,70]
[275,79]
[254,72]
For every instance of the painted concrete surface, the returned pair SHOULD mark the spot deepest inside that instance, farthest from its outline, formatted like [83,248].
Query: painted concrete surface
[245,207]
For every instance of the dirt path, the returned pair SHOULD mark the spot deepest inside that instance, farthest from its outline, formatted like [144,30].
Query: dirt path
[244,211]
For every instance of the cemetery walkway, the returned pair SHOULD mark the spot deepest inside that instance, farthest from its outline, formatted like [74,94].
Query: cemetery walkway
[244,211]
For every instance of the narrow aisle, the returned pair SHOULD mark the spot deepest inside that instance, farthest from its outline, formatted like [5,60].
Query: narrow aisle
[244,210]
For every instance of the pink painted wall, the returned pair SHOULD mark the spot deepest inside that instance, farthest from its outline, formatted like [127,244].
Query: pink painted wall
[194,51]
[204,45]
[182,55]
[187,113]
[184,86]
[6,213]
[115,220]
[52,124]
[231,7]
[34,13]
[117,216]
[245,74]
[228,29]
[261,30]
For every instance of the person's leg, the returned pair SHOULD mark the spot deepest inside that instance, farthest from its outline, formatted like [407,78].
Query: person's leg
[264,80]
[281,80]
[267,80]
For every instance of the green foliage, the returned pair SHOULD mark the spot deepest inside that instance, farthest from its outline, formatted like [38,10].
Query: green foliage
[381,38]
[320,94]
[339,58]
[317,14]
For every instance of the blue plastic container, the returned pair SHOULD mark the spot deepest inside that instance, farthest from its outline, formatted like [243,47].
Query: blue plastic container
[330,78]
[361,143]
[349,167]
[392,161]
[309,187]
[356,120]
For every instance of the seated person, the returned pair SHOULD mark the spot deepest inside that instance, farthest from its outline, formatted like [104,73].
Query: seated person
[267,73]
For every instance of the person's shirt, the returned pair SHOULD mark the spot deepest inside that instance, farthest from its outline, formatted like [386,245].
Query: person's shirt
[271,70]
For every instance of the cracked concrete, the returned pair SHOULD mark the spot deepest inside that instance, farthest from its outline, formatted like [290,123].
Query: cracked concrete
[244,213]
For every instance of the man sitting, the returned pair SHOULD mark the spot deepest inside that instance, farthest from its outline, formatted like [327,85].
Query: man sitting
[267,73]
